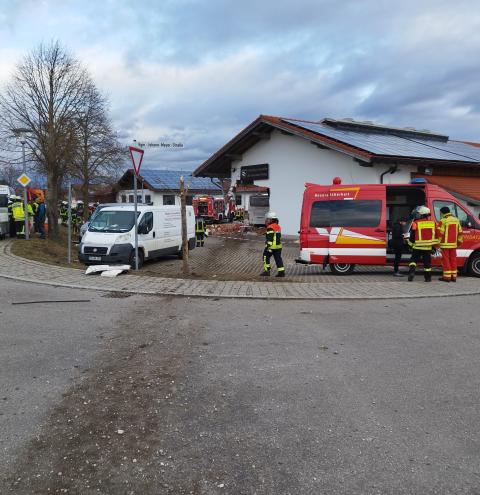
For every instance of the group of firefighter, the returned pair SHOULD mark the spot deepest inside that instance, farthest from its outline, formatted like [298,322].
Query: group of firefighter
[36,212]
[425,238]
[77,212]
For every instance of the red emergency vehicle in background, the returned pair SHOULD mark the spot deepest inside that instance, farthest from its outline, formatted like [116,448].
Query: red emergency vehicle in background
[344,225]
[215,209]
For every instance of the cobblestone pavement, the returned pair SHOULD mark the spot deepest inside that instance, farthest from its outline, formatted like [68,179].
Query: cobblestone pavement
[366,285]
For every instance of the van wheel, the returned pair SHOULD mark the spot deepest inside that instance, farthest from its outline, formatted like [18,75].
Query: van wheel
[341,268]
[141,259]
[473,266]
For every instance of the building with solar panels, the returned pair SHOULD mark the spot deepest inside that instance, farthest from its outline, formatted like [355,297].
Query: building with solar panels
[162,187]
[283,154]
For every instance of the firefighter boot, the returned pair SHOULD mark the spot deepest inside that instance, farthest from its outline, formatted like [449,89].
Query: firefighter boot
[411,273]
[280,274]
[428,276]
[266,273]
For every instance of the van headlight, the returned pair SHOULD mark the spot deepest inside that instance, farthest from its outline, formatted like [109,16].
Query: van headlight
[122,238]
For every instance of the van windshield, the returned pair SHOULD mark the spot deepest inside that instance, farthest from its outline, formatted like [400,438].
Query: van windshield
[112,221]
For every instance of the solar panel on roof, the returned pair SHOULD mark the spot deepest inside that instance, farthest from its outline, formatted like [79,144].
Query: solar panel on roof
[170,179]
[391,145]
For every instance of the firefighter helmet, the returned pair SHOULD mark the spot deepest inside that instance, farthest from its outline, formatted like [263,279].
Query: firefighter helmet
[421,211]
[271,215]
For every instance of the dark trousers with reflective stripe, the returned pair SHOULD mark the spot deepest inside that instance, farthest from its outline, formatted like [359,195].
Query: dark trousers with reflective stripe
[426,257]
[277,256]
[200,238]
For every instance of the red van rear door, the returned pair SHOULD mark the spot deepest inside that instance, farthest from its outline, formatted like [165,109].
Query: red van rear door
[358,225]
[315,224]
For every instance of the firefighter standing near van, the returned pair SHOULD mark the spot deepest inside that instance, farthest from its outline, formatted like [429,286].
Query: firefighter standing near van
[273,246]
[449,234]
[421,240]
[200,231]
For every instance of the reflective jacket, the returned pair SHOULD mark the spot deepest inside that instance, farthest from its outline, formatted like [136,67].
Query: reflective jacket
[200,226]
[449,231]
[422,235]
[273,236]
[18,212]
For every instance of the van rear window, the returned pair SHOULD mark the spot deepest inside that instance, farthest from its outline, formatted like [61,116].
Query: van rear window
[346,213]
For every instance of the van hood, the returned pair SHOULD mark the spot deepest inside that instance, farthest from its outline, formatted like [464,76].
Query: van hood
[104,238]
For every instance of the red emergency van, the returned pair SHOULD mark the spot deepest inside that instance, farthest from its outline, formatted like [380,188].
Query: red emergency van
[344,225]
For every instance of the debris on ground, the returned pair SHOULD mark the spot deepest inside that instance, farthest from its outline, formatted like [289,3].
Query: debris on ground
[104,269]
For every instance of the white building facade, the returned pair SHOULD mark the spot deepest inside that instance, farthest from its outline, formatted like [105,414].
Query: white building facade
[293,161]
[284,154]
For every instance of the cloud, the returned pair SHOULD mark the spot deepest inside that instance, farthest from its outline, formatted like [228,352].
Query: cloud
[197,72]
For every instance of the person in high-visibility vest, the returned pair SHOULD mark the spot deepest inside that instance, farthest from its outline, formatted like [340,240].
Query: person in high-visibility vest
[449,234]
[200,231]
[273,246]
[18,214]
[421,240]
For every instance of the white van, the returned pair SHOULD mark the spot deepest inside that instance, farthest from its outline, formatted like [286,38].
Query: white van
[5,192]
[110,237]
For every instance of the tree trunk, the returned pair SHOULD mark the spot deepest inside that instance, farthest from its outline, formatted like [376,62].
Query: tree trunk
[52,205]
[183,208]
[86,198]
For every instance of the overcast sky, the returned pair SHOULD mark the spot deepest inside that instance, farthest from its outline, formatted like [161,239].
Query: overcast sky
[198,71]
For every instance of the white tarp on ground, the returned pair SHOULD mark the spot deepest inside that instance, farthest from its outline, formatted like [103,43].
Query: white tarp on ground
[112,270]
[111,273]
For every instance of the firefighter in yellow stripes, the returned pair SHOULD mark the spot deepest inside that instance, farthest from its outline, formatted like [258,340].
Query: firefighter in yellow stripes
[449,233]
[200,231]
[421,240]
[273,246]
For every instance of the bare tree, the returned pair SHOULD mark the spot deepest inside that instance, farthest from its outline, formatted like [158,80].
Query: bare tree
[45,96]
[98,154]
[9,174]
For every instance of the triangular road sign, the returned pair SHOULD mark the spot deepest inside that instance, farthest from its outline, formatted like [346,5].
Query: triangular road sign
[137,157]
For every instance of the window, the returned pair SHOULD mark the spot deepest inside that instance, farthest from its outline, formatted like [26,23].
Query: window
[168,199]
[320,214]
[456,210]
[131,198]
[124,198]
[346,213]
[147,220]
[238,200]
[189,200]
[148,198]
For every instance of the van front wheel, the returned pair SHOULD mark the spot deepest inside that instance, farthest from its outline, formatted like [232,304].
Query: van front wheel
[473,266]
[341,268]
[141,259]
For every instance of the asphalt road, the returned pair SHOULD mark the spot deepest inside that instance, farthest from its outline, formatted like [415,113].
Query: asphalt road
[241,397]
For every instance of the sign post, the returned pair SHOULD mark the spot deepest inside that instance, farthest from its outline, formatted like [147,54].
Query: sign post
[137,156]
[24,180]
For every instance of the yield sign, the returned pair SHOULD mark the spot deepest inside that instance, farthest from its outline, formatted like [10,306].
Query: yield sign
[24,179]
[137,157]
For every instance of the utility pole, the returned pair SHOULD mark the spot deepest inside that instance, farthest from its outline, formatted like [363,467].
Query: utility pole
[69,256]
[21,134]
[183,209]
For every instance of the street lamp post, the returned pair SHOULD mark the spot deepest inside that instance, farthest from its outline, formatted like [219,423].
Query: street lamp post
[21,136]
